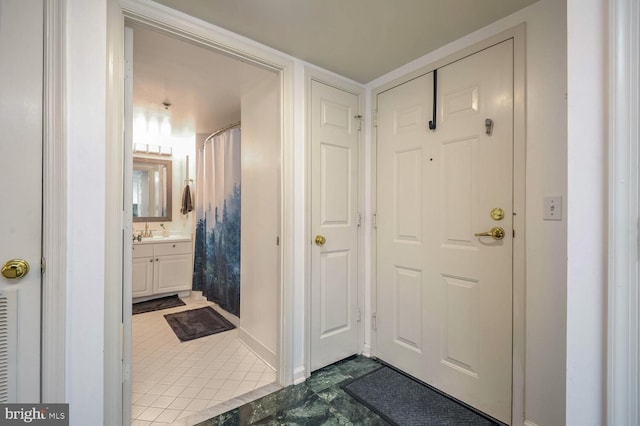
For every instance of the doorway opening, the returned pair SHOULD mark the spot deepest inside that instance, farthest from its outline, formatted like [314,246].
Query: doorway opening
[181,92]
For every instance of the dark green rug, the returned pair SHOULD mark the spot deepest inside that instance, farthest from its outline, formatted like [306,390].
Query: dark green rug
[156,304]
[403,401]
[195,323]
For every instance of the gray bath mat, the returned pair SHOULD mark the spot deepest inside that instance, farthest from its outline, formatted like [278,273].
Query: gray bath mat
[403,401]
[195,323]
[156,304]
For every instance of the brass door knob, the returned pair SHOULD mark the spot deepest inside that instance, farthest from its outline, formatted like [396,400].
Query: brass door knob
[15,268]
[320,240]
[497,233]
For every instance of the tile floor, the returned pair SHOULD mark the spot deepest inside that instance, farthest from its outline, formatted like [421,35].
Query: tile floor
[319,400]
[172,380]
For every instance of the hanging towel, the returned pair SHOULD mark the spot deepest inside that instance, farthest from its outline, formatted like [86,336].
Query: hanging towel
[187,201]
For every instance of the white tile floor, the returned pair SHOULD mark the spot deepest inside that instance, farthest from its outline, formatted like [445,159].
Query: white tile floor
[173,379]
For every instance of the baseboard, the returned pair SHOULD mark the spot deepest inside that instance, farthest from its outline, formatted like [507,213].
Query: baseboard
[183,294]
[228,316]
[197,295]
[366,351]
[264,353]
[299,375]
[529,423]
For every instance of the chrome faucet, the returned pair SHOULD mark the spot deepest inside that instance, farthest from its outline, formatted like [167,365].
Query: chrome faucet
[148,233]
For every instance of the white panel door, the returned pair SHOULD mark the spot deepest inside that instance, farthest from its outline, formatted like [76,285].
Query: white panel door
[21,85]
[444,310]
[334,217]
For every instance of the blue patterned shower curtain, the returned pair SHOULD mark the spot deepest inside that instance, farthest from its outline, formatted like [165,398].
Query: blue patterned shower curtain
[217,250]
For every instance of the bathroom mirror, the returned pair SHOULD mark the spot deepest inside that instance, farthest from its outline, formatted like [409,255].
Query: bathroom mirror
[151,190]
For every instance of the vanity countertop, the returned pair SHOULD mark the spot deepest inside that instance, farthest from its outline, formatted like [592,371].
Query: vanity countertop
[161,239]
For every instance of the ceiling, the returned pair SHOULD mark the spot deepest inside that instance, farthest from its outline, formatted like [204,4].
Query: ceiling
[359,39]
[203,87]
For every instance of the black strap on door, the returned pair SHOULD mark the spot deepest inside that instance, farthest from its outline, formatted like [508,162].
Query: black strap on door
[432,123]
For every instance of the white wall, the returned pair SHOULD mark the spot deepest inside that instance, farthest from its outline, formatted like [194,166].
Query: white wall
[546,174]
[86,125]
[260,217]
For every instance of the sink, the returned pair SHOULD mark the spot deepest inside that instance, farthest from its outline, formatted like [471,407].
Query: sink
[160,238]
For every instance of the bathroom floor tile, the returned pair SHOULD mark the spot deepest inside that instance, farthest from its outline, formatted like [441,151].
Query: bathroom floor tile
[173,379]
[146,400]
[163,401]
[175,390]
[136,410]
[150,413]
[168,415]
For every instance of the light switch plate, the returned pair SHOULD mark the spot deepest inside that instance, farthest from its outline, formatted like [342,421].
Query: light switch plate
[552,208]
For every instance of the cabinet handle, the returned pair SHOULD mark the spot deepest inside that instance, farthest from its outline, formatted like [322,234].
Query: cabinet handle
[157,259]
[150,260]
[174,245]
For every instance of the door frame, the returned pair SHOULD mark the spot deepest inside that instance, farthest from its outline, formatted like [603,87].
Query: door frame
[314,74]
[54,208]
[623,313]
[519,187]
[119,225]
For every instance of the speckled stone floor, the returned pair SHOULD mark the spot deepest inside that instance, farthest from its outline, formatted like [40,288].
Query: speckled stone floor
[317,401]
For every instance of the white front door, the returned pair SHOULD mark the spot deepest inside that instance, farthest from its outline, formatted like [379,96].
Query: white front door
[444,294]
[21,85]
[334,224]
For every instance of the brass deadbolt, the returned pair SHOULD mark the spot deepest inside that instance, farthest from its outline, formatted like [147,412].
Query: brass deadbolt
[497,214]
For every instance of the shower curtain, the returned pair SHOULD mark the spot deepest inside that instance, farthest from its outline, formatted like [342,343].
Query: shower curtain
[217,248]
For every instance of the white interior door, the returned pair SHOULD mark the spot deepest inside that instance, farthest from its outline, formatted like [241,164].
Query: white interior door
[21,85]
[444,311]
[334,224]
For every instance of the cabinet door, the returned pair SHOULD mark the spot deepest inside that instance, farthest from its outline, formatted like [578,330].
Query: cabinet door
[173,273]
[142,276]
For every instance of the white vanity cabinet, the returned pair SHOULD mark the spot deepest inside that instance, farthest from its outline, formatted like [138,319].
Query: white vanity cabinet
[142,270]
[161,267]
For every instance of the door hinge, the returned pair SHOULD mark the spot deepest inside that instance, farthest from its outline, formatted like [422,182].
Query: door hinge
[278,240]
[514,233]
[359,219]
[359,118]
[375,118]
[359,317]
[374,321]
[43,265]
[374,220]
[126,372]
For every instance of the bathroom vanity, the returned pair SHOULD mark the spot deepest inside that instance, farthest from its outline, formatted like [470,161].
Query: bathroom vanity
[161,265]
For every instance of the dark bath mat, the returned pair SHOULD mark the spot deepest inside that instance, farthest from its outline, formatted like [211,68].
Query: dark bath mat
[195,323]
[403,401]
[156,304]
